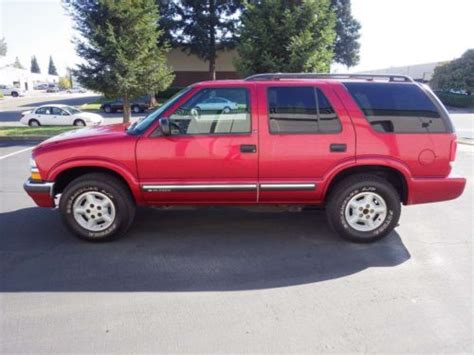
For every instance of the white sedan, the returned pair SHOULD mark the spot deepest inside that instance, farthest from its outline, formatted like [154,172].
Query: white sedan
[60,115]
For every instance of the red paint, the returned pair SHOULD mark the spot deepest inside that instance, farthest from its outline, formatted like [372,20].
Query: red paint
[422,159]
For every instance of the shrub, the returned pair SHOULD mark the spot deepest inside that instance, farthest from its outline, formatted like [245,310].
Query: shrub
[455,100]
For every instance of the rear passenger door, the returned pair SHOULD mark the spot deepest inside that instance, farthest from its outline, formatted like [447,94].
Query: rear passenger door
[305,132]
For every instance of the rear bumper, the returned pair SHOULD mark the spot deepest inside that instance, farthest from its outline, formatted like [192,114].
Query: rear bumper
[40,192]
[434,190]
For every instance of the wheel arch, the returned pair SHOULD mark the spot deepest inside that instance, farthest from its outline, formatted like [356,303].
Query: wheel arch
[394,176]
[63,177]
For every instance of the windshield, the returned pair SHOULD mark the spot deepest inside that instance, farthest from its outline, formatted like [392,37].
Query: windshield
[72,110]
[142,124]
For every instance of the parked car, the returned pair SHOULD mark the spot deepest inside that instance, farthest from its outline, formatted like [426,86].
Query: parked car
[357,145]
[52,88]
[76,89]
[59,115]
[216,104]
[137,105]
[8,90]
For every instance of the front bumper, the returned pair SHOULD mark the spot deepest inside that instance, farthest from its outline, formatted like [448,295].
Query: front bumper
[41,192]
[435,189]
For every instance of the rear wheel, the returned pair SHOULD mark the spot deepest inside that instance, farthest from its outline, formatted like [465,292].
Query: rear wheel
[108,109]
[34,123]
[97,207]
[136,109]
[363,208]
[14,94]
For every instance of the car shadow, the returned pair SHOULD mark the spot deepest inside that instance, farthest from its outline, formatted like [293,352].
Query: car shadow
[206,249]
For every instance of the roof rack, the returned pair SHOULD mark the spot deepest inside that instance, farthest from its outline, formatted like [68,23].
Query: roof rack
[368,77]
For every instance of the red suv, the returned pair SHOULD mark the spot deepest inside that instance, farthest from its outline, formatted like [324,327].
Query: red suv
[358,145]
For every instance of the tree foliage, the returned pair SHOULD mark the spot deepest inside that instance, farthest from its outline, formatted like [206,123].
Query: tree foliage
[457,74]
[3,47]
[346,45]
[64,83]
[119,47]
[34,68]
[51,67]
[201,27]
[17,64]
[286,36]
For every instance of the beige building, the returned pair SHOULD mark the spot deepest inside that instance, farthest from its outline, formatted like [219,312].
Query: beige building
[189,68]
[419,72]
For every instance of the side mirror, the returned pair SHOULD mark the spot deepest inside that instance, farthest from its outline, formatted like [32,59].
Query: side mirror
[165,126]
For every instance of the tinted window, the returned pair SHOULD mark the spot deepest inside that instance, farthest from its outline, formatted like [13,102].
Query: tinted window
[300,110]
[397,108]
[213,111]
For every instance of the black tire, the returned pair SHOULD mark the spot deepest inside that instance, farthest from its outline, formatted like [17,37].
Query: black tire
[79,123]
[108,185]
[14,94]
[136,109]
[226,109]
[347,189]
[108,109]
[34,123]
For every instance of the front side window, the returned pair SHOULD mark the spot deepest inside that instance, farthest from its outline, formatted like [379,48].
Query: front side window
[300,110]
[397,107]
[213,111]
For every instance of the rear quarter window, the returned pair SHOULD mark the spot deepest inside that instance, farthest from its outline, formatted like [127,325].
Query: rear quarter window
[397,107]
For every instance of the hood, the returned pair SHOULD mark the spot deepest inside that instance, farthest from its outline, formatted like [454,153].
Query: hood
[26,112]
[88,134]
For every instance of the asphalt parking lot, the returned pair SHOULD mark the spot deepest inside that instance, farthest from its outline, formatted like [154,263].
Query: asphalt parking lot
[229,280]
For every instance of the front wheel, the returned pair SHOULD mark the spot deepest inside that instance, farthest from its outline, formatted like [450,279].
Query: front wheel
[363,208]
[97,207]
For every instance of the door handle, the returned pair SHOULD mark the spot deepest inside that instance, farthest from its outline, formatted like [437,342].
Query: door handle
[248,148]
[338,147]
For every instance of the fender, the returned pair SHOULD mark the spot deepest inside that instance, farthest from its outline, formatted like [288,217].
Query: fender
[372,160]
[112,165]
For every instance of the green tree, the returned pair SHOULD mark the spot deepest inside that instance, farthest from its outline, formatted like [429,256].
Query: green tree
[457,74]
[346,46]
[286,36]
[51,67]
[17,64]
[3,47]
[34,65]
[64,83]
[201,27]
[120,48]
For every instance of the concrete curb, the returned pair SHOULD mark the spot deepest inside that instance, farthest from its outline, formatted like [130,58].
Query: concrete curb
[466,141]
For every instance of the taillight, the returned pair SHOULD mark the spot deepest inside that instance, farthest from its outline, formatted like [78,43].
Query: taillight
[454,148]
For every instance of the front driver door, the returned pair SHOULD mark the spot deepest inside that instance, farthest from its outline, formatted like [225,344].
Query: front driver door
[211,156]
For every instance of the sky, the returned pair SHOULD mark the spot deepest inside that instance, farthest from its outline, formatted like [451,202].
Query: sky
[394,32]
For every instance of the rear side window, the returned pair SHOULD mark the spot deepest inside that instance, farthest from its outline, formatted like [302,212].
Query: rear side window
[300,110]
[397,108]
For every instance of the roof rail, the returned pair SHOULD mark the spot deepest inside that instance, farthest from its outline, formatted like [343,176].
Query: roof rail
[368,77]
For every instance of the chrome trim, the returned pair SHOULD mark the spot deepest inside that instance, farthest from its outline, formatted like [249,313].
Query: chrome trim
[288,186]
[199,187]
[39,187]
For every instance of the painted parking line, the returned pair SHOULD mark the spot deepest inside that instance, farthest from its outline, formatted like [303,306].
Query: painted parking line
[15,153]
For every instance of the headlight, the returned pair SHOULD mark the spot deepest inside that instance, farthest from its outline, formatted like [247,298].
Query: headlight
[35,175]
